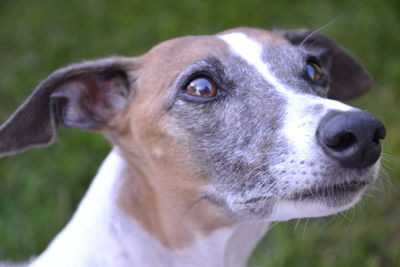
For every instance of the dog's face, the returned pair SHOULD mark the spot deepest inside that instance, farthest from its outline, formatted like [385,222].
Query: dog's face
[245,114]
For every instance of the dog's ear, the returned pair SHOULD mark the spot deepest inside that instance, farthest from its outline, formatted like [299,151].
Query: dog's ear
[348,79]
[84,95]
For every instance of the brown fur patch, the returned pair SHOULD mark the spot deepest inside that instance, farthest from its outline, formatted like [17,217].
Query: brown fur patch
[162,191]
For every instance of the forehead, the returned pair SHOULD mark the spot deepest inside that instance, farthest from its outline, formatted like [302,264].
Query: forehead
[177,53]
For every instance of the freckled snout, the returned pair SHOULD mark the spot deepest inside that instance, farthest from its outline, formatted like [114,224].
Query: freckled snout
[351,138]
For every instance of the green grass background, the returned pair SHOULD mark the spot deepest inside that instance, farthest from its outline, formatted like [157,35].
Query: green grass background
[40,189]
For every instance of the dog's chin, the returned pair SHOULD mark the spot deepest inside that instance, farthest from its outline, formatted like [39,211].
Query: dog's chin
[288,209]
[317,201]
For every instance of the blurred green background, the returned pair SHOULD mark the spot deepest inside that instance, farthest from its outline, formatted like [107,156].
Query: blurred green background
[39,190]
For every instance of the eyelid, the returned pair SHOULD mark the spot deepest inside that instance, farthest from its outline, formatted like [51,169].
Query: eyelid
[199,74]
[314,59]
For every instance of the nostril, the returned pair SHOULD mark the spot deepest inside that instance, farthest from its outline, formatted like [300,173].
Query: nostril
[380,133]
[376,139]
[342,141]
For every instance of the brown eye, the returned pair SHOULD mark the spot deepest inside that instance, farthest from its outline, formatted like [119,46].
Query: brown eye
[202,87]
[314,72]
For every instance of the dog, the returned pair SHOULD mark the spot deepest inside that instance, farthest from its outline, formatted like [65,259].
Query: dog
[214,137]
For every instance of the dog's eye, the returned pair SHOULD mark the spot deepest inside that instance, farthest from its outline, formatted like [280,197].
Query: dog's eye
[314,73]
[202,87]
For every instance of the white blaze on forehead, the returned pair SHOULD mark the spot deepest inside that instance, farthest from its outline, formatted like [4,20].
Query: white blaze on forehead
[251,51]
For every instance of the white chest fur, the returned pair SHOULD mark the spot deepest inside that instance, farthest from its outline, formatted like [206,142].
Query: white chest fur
[100,234]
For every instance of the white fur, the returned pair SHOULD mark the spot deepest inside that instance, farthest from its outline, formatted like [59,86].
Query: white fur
[251,51]
[100,234]
[89,230]
[285,210]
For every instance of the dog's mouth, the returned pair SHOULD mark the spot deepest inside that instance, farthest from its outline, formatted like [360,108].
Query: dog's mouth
[333,191]
[336,191]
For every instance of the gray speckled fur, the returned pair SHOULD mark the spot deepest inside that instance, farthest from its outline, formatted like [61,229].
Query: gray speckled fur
[234,137]
[237,142]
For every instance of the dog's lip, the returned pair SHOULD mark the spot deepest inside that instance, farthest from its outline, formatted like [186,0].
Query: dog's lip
[319,191]
[252,201]
[336,190]
[330,190]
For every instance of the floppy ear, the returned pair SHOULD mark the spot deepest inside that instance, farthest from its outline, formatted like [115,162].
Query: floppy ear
[348,79]
[84,95]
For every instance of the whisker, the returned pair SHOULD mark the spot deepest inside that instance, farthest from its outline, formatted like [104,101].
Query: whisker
[273,225]
[390,158]
[296,225]
[332,219]
[305,228]
[385,176]
[346,216]
[320,29]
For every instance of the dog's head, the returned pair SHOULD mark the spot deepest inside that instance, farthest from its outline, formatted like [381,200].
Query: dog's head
[247,115]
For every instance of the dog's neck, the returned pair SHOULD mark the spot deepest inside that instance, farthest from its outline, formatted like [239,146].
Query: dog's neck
[102,233]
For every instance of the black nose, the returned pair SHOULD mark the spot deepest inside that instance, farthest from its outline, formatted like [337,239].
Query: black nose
[352,138]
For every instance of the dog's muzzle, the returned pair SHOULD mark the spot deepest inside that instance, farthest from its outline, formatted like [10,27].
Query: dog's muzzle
[351,138]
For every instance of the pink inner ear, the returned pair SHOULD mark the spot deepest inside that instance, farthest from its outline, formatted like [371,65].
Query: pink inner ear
[92,99]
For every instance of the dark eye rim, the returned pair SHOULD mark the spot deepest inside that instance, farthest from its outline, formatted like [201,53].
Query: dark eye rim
[321,82]
[198,75]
